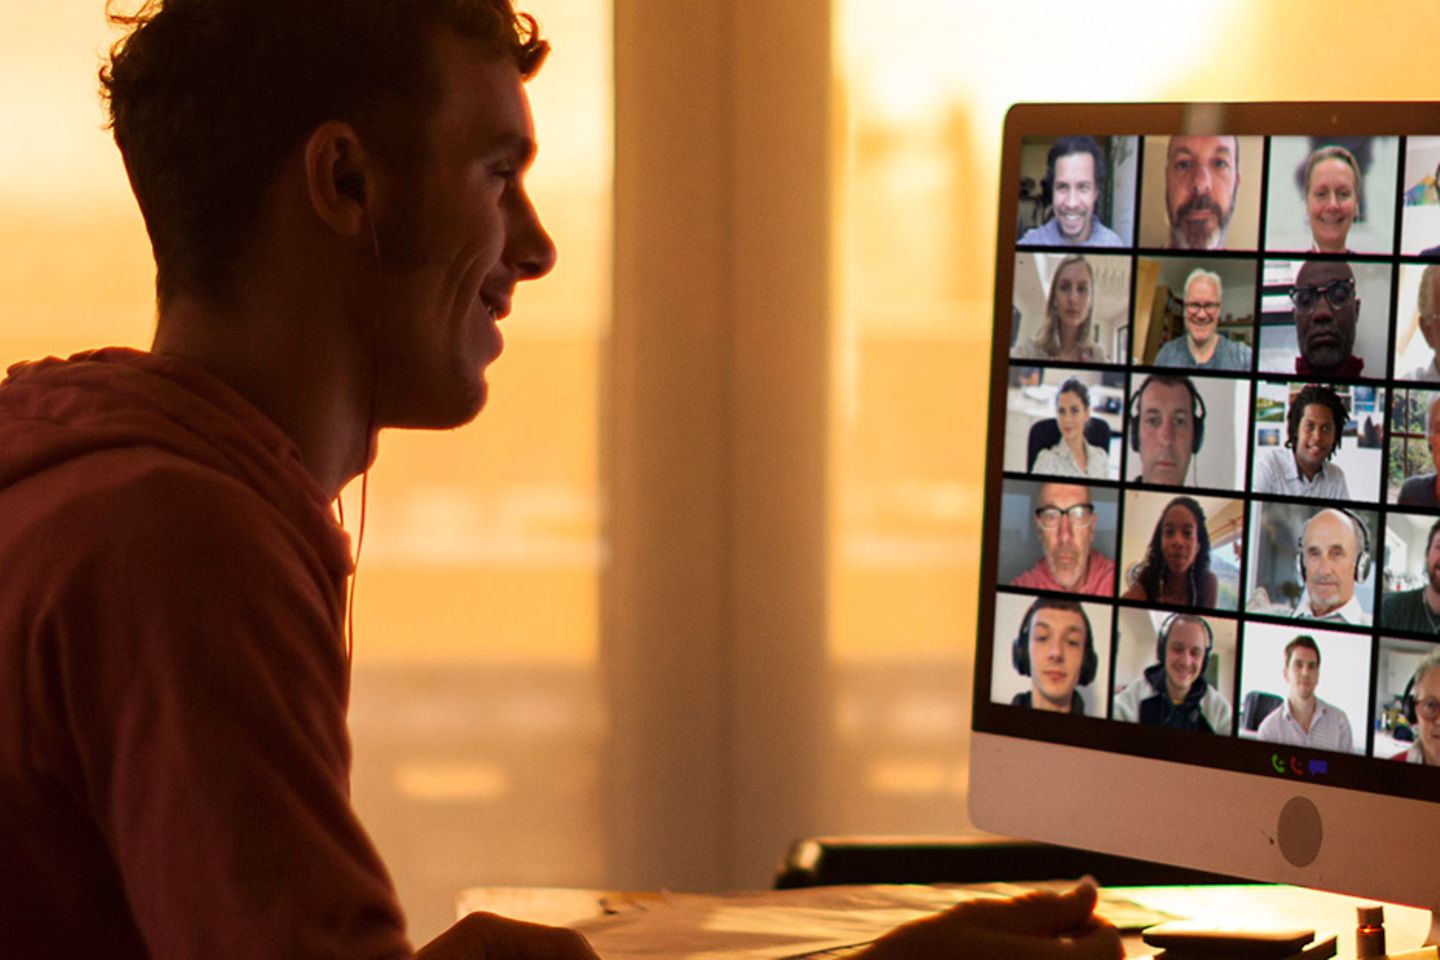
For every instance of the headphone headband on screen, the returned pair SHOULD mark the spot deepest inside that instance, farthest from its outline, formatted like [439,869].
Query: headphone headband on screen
[1164,636]
[1363,559]
[1020,647]
[1197,409]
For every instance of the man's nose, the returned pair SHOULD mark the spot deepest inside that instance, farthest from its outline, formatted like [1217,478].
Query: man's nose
[1065,529]
[530,248]
[1200,180]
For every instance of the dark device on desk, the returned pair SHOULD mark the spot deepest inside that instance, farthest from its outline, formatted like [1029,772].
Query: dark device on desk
[1221,193]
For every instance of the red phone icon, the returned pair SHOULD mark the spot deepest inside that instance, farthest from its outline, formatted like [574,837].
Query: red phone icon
[1295,767]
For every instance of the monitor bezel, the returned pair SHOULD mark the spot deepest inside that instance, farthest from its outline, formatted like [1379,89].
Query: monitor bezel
[1016,761]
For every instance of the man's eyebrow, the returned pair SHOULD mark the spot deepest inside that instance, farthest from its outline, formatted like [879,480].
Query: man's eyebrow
[512,146]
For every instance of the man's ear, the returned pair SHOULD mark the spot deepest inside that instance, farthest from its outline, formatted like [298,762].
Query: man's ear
[337,177]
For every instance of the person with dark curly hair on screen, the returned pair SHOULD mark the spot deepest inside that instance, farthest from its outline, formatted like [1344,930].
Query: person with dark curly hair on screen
[1176,565]
[1314,423]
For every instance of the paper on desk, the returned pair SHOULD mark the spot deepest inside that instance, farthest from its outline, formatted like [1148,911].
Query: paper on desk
[765,926]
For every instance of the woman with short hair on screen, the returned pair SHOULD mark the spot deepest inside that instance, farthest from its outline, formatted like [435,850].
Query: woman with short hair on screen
[1333,187]
[1176,566]
[1073,456]
[1067,330]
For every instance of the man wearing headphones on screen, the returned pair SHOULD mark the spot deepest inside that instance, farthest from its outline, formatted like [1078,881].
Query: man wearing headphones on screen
[1334,553]
[1167,427]
[1173,692]
[1314,423]
[1304,720]
[1056,650]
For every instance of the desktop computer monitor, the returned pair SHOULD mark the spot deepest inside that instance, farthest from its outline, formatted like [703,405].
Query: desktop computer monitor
[1211,568]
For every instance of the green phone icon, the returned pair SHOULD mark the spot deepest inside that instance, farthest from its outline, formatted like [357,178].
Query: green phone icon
[1277,763]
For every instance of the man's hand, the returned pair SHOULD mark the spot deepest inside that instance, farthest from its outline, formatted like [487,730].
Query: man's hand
[485,936]
[1038,926]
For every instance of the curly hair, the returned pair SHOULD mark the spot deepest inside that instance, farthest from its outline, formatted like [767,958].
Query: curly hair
[206,97]
[1047,338]
[1152,572]
[1315,394]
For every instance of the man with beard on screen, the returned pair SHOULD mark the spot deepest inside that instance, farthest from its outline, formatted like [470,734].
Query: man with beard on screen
[1201,177]
[1417,610]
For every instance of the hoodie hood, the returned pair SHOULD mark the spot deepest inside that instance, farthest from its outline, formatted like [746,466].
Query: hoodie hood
[53,412]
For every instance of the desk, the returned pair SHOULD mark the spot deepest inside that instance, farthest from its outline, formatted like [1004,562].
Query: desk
[736,926]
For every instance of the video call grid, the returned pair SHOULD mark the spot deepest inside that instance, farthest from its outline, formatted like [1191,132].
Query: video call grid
[1251,505]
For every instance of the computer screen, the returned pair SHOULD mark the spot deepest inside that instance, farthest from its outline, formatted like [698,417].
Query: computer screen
[1209,627]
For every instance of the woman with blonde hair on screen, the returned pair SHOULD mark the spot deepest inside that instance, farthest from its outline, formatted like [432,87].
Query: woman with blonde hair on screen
[1332,186]
[1067,330]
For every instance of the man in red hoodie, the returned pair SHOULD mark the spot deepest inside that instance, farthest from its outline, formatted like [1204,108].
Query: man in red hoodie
[335,196]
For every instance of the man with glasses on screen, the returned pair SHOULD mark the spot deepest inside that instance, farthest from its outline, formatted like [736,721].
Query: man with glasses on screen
[1326,312]
[1203,346]
[1314,423]
[1202,177]
[1064,521]
[1075,182]
[1304,720]
[1417,610]
[1423,711]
